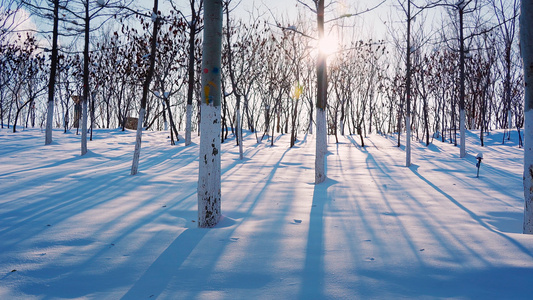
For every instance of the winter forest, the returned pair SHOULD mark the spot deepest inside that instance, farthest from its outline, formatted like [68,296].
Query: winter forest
[269,68]
[202,149]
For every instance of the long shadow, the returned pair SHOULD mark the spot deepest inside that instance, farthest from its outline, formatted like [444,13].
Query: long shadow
[166,267]
[121,239]
[444,283]
[181,249]
[475,217]
[267,181]
[383,168]
[313,273]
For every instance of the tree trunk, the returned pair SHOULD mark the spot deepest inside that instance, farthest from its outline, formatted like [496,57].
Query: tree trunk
[294,126]
[146,87]
[173,129]
[311,119]
[190,71]
[18,113]
[92,115]
[399,123]
[408,91]
[234,86]
[239,134]
[188,124]
[52,80]
[462,115]
[209,175]
[526,43]
[85,81]
[321,103]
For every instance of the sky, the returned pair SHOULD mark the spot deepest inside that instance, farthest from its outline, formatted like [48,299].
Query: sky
[371,21]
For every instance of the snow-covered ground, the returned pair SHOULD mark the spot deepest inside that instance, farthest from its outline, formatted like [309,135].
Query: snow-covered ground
[82,227]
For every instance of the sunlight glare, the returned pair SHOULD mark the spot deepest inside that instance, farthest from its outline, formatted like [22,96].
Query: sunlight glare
[328,45]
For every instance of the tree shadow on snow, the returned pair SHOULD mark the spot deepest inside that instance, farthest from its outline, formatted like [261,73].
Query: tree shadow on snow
[474,216]
[313,272]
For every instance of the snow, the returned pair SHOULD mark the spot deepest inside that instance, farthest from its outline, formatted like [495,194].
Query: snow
[82,227]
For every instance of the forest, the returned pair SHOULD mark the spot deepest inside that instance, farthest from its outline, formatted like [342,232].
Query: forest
[296,149]
[268,70]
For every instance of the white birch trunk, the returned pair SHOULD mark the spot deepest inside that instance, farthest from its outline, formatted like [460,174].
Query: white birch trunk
[188,127]
[49,123]
[408,140]
[138,140]
[321,146]
[321,102]
[239,134]
[146,86]
[462,127]
[526,43]
[209,188]
[528,167]
[84,127]
[341,127]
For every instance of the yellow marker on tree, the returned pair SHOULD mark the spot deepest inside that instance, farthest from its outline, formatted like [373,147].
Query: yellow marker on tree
[297,92]
[207,89]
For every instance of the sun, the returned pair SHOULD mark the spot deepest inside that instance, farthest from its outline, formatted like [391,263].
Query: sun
[328,45]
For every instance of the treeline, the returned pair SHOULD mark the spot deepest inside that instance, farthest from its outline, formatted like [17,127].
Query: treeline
[269,74]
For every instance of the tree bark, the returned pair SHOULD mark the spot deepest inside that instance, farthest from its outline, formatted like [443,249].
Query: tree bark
[190,71]
[52,80]
[321,103]
[462,115]
[85,81]
[146,87]
[408,91]
[234,85]
[209,175]
[526,43]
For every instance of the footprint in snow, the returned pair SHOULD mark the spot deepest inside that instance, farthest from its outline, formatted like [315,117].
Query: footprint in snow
[296,221]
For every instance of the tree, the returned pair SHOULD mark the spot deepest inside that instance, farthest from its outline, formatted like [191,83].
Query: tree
[463,7]
[507,27]
[32,77]
[195,27]
[146,86]
[44,12]
[408,88]
[10,19]
[321,101]
[241,51]
[170,73]
[526,44]
[52,80]
[410,16]
[235,88]
[209,187]
[84,11]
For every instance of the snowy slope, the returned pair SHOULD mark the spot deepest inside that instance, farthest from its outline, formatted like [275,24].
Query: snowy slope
[82,227]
